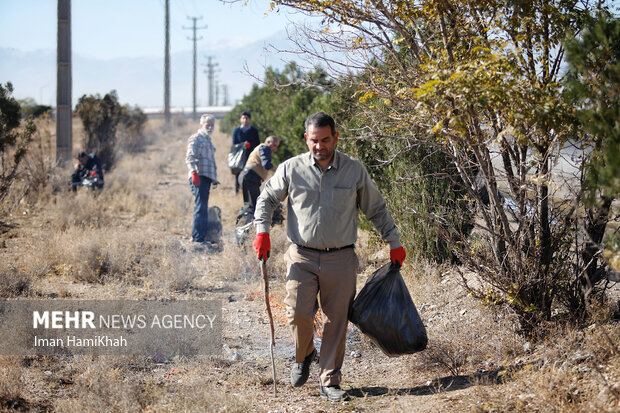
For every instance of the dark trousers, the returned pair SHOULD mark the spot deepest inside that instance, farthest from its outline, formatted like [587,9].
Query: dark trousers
[250,186]
[236,183]
[76,180]
[201,208]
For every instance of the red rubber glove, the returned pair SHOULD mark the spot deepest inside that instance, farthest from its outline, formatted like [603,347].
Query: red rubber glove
[247,145]
[397,256]
[195,179]
[93,173]
[262,245]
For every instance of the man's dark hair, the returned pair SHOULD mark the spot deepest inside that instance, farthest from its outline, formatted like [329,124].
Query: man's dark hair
[246,113]
[81,155]
[320,120]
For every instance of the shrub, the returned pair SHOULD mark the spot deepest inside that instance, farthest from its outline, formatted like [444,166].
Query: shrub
[13,140]
[39,175]
[131,129]
[100,117]
[13,283]
[31,108]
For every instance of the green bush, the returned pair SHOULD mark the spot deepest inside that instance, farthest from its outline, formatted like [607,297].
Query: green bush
[281,106]
[31,108]
[417,181]
[100,117]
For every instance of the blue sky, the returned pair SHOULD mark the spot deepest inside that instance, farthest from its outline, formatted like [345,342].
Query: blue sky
[108,29]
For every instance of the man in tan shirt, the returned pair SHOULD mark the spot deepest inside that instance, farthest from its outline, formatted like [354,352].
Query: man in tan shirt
[256,171]
[325,188]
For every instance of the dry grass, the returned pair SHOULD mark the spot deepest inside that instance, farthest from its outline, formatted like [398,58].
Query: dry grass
[10,383]
[575,370]
[13,282]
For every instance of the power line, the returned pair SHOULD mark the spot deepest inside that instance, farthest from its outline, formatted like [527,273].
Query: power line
[210,71]
[225,93]
[194,39]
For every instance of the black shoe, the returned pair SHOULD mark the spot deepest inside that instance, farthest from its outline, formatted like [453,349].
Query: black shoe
[301,371]
[202,246]
[333,393]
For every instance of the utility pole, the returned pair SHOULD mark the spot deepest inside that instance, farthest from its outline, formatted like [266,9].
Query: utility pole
[167,65]
[194,38]
[217,93]
[64,140]
[210,79]
[225,95]
[206,72]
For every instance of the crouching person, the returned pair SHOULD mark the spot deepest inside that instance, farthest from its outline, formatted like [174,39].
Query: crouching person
[325,188]
[256,171]
[87,173]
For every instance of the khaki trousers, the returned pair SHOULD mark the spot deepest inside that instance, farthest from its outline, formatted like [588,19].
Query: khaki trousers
[331,276]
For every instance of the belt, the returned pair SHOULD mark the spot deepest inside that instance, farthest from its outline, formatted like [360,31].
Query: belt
[326,249]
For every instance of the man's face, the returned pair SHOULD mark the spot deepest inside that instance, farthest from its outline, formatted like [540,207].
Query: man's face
[273,145]
[321,142]
[245,121]
[209,125]
[82,160]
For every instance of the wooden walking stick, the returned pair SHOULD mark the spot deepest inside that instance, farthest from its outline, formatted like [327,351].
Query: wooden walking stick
[263,265]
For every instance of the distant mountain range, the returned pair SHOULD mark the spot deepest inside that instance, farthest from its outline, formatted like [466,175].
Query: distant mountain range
[140,80]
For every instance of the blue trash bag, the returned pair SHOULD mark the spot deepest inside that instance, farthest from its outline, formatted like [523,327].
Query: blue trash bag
[384,311]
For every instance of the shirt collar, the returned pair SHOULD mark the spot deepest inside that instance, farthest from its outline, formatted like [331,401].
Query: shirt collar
[333,164]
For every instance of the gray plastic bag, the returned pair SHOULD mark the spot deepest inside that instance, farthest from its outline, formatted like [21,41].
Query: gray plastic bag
[236,158]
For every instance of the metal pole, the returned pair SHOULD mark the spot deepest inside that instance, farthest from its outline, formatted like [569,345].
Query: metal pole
[167,66]
[194,38]
[64,137]
[263,266]
[194,75]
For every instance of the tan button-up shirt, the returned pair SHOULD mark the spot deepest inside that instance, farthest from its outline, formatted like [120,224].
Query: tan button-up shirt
[322,205]
[260,160]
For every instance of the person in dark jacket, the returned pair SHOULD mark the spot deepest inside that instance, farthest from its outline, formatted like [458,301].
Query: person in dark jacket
[248,134]
[87,172]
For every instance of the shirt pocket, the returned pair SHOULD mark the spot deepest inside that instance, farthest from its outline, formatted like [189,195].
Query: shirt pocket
[343,199]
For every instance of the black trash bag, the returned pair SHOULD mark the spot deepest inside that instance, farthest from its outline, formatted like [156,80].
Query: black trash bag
[383,310]
[278,215]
